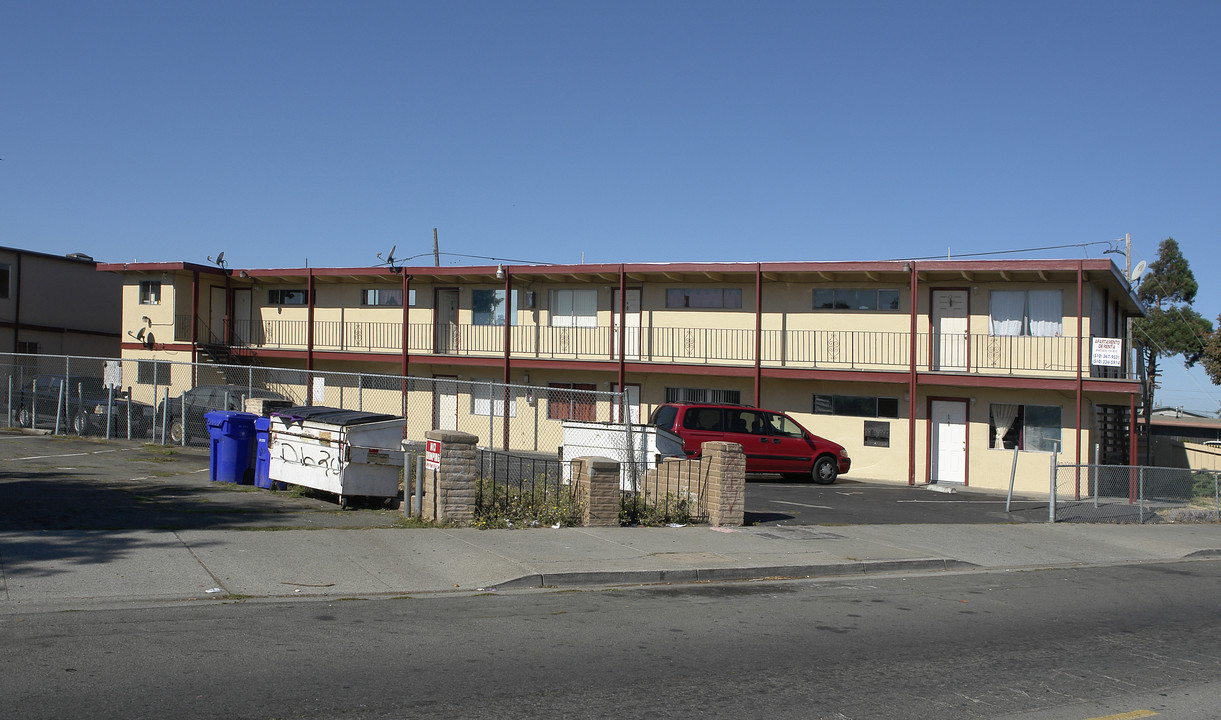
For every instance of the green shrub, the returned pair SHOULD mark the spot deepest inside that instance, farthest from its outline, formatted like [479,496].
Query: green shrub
[530,503]
[646,510]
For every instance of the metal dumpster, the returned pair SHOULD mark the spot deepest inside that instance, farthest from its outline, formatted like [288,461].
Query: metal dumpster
[346,452]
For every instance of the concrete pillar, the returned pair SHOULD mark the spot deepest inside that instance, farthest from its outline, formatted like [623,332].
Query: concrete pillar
[597,488]
[449,490]
[726,490]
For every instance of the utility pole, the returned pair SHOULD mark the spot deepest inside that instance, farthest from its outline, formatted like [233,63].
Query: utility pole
[436,250]
[1127,256]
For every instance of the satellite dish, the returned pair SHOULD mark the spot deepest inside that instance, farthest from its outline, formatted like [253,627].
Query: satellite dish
[148,340]
[1138,271]
[140,334]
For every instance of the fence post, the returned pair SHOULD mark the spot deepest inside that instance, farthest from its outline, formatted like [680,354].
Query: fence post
[1217,494]
[1051,505]
[1141,487]
[10,401]
[1012,477]
[110,410]
[129,397]
[165,414]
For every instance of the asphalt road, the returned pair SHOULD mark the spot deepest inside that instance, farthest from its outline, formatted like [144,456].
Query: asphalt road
[1054,644]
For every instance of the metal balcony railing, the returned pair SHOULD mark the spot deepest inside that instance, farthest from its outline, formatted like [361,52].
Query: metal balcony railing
[856,350]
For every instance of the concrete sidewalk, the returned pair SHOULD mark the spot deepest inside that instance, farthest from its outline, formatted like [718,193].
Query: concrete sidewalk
[80,569]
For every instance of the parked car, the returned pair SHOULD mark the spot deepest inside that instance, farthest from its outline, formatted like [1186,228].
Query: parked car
[772,441]
[201,400]
[84,407]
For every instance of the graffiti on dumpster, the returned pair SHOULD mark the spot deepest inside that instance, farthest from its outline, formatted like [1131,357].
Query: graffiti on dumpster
[310,455]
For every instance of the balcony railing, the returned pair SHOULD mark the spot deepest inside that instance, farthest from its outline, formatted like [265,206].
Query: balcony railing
[856,350]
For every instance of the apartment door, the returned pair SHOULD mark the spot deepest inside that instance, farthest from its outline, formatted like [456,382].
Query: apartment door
[241,317]
[949,341]
[631,398]
[948,454]
[445,403]
[631,319]
[216,316]
[447,321]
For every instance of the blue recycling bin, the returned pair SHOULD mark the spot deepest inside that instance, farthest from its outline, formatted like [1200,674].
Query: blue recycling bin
[262,453]
[232,453]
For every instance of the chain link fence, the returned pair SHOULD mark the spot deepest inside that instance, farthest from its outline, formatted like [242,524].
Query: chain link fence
[1133,494]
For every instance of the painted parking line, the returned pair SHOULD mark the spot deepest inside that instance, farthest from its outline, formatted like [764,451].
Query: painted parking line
[786,502]
[80,454]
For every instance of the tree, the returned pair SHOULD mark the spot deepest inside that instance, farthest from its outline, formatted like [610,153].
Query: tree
[1212,355]
[1170,326]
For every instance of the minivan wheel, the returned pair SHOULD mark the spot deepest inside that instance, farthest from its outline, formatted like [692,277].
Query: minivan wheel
[825,471]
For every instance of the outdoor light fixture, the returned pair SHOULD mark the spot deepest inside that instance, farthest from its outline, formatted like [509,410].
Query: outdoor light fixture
[500,272]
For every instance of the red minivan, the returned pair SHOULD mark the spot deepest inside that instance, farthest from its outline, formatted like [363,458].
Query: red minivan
[772,441]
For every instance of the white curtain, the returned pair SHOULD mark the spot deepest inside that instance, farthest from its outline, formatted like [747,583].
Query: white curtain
[1003,415]
[1007,310]
[1046,318]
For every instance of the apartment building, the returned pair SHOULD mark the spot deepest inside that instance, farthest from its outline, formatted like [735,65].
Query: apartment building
[57,305]
[931,371]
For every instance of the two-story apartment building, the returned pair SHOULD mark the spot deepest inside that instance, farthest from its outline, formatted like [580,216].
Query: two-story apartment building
[57,305]
[929,371]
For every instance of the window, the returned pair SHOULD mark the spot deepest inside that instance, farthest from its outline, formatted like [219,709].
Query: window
[383,297]
[1026,427]
[27,348]
[489,399]
[150,292]
[856,406]
[572,401]
[728,298]
[153,372]
[4,280]
[574,308]
[703,395]
[286,297]
[1034,313]
[877,434]
[855,299]
[488,307]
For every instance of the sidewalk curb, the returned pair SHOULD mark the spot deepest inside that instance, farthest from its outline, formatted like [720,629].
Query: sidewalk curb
[707,575]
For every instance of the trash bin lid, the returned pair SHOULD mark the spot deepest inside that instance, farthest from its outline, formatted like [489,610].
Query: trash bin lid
[331,416]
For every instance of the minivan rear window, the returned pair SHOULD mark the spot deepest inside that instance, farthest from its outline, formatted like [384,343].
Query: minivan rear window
[664,417]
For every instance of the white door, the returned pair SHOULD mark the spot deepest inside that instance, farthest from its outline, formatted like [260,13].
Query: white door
[949,449]
[216,316]
[447,322]
[631,398]
[241,317]
[949,330]
[631,343]
[445,404]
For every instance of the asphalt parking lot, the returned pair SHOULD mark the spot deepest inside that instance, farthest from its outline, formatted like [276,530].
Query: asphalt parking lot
[66,482]
[849,501]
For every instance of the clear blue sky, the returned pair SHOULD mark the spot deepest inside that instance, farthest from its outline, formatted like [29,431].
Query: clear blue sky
[287,133]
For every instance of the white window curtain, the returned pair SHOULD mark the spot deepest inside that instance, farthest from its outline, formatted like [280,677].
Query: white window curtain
[1006,312]
[574,308]
[1003,415]
[1043,309]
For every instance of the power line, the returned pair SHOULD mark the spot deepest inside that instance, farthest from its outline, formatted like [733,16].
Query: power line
[1007,252]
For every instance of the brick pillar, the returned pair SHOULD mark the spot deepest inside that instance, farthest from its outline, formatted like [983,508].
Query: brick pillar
[726,482]
[449,491]
[597,487]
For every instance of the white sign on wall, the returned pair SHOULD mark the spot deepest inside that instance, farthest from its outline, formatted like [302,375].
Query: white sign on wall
[432,455]
[1107,352]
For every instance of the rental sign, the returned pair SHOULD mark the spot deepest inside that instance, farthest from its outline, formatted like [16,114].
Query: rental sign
[1107,352]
